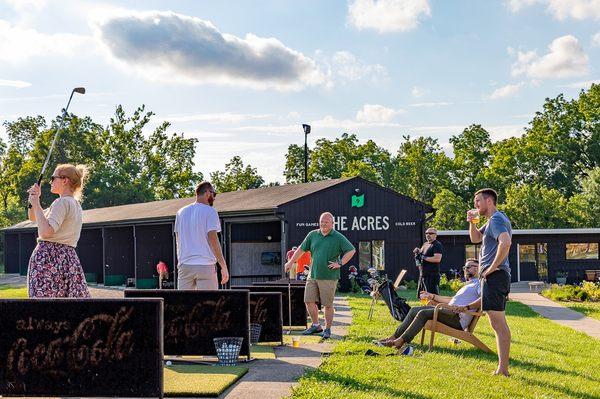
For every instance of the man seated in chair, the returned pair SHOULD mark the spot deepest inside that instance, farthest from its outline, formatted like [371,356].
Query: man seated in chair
[467,298]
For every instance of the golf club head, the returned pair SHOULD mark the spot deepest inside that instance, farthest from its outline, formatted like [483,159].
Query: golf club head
[80,90]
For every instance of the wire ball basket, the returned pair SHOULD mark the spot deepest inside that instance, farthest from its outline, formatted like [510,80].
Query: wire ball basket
[228,350]
[255,330]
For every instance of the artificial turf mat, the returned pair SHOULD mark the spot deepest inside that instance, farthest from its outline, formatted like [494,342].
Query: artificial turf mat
[10,292]
[200,380]
[262,352]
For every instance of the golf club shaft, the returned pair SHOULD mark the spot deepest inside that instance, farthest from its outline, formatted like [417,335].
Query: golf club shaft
[62,122]
[60,126]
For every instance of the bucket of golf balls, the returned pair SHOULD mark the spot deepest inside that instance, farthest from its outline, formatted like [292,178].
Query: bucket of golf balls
[228,350]
[255,330]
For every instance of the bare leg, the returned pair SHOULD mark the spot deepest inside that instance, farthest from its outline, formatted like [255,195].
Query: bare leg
[313,312]
[329,311]
[500,326]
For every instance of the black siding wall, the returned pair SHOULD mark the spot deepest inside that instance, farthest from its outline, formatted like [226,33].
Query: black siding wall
[89,250]
[119,254]
[404,232]
[11,253]
[455,254]
[153,244]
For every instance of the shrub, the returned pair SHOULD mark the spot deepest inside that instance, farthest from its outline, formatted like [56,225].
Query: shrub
[450,285]
[456,284]
[588,291]
[592,289]
[411,285]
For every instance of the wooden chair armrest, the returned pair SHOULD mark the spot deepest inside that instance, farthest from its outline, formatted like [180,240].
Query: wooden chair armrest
[474,313]
[470,312]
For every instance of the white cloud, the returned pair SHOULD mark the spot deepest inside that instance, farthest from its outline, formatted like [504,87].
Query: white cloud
[27,5]
[346,66]
[502,132]
[431,104]
[222,117]
[596,40]
[581,85]
[419,92]
[166,46]
[376,113]
[565,58]
[19,44]
[562,9]
[388,15]
[19,84]
[518,5]
[506,91]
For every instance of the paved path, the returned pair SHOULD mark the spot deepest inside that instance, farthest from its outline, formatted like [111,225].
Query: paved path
[554,311]
[274,379]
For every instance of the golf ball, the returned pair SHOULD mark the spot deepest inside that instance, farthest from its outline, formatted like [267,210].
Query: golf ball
[169,362]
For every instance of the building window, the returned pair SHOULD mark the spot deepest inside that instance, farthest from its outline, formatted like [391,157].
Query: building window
[371,254]
[471,251]
[581,250]
[527,253]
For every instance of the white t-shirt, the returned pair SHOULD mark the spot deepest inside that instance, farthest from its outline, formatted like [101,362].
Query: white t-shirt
[192,224]
[469,293]
[65,218]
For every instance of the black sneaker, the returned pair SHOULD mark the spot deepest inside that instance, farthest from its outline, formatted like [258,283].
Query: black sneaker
[314,329]
[326,333]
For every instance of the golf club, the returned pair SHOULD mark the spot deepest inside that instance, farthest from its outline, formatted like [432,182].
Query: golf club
[80,90]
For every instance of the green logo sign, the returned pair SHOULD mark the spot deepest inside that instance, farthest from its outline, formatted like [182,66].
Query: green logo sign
[358,201]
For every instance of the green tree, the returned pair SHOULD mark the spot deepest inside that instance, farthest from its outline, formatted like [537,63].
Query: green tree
[471,158]
[535,207]
[294,164]
[584,207]
[329,158]
[125,165]
[236,177]
[421,168]
[450,211]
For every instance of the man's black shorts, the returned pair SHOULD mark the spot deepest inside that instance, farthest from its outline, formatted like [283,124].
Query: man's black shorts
[495,290]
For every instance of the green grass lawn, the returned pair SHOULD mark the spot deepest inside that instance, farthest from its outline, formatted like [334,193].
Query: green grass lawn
[548,361]
[590,309]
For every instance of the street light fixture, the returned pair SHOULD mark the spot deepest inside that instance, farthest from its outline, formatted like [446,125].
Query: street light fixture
[306,129]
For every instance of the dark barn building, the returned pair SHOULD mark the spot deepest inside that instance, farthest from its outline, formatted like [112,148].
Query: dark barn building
[121,245]
[535,254]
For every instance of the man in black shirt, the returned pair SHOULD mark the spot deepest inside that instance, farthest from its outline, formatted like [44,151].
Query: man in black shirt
[431,257]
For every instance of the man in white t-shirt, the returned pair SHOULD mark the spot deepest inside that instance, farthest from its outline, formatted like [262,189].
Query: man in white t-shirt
[198,247]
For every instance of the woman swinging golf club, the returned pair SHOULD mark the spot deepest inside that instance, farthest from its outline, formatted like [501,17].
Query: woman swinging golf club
[54,267]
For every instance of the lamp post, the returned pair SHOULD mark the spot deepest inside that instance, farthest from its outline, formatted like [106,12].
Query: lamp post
[306,129]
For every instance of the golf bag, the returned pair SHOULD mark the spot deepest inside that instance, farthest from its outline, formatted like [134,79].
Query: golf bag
[395,303]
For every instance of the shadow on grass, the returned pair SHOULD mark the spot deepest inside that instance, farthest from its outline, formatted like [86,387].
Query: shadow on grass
[356,385]
[557,388]
[477,354]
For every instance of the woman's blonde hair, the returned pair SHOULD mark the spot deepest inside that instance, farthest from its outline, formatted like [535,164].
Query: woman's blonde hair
[76,175]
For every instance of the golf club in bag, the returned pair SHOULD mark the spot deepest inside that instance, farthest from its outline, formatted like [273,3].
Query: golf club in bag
[395,303]
[80,90]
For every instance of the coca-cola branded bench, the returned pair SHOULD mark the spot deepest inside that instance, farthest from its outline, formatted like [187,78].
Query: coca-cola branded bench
[81,347]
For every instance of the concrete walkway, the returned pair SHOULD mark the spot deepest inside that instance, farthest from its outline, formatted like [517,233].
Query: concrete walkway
[274,379]
[554,311]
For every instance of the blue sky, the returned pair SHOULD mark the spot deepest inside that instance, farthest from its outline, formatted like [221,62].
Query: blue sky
[242,76]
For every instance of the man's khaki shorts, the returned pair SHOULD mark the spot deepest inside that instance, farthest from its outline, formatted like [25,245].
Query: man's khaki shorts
[322,291]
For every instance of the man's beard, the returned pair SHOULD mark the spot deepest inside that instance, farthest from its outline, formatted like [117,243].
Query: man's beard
[211,200]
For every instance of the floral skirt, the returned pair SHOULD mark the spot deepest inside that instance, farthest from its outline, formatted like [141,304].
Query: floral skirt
[55,272]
